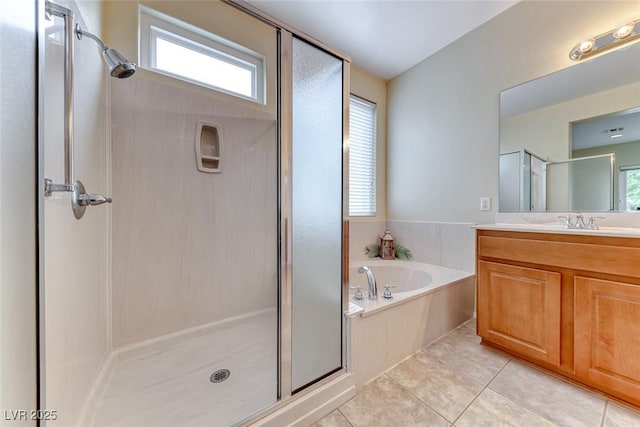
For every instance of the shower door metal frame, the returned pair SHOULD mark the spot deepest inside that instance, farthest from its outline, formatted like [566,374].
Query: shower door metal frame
[285,191]
[285,391]
[285,145]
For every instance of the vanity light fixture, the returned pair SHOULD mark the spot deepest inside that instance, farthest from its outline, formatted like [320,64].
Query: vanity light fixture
[615,38]
[617,135]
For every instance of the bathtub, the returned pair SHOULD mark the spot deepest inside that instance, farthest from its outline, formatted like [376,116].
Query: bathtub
[411,280]
[428,302]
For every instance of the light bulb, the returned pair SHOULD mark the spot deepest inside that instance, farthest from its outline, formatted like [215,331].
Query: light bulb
[581,48]
[586,46]
[623,32]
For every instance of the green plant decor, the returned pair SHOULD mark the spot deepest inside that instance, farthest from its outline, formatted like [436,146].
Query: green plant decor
[372,251]
[403,253]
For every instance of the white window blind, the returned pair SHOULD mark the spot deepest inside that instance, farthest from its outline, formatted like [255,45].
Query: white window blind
[362,157]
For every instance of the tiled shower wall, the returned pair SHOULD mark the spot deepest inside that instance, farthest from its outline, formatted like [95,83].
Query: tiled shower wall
[446,244]
[189,248]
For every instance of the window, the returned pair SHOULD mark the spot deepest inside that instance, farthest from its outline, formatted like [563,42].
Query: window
[629,188]
[362,157]
[177,49]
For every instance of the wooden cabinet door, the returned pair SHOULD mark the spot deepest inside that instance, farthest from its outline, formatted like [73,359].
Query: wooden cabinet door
[519,308]
[607,335]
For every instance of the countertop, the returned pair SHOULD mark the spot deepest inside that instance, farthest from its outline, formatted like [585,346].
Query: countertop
[557,228]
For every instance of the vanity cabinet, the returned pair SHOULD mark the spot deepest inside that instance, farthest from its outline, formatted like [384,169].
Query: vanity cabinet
[567,302]
[522,307]
[607,334]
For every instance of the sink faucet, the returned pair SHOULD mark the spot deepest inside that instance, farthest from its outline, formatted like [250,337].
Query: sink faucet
[373,286]
[580,223]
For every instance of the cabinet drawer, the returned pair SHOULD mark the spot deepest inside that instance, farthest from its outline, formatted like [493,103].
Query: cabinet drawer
[519,308]
[600,258]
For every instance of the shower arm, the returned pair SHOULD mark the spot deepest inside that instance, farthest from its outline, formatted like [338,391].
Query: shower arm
[83,33]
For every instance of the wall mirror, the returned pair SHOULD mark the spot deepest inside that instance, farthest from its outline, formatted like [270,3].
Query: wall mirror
[570,141]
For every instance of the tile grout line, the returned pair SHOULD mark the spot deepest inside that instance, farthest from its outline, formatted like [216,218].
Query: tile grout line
[452,424]
[419,398]
[456,370]
[509,359]
[531,410]
[478,395]
[345,417]
[604,412]
[386,373]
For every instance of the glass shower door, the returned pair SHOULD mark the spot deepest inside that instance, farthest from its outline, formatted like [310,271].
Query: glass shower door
[316,214]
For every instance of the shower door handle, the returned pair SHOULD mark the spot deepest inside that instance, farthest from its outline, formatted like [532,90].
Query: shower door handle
[81,199]
[90,199]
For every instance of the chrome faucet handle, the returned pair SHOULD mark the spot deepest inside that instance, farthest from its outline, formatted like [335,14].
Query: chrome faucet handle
[358,295]
[90,199]
[387,291]
[80,199]
[580,221]
[567,221]
[591,222]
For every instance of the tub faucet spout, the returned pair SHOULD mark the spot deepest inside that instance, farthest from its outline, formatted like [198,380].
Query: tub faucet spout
[373,286]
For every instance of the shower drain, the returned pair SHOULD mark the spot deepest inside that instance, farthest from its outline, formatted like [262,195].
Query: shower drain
[219,375]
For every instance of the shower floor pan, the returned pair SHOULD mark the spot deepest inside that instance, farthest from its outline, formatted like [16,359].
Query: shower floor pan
[171,385]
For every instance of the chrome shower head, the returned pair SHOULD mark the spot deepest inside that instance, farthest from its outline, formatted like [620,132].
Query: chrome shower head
[118,65]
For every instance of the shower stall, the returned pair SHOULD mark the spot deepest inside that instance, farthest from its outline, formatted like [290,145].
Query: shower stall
[204,282]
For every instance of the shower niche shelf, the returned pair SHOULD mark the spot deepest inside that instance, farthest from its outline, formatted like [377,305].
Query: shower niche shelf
[209,148]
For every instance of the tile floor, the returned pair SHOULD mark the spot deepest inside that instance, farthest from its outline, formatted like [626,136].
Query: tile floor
[458,382]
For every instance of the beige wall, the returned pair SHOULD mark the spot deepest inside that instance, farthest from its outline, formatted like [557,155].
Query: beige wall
[443,127]
[18,358]
[120,26]
[374,89]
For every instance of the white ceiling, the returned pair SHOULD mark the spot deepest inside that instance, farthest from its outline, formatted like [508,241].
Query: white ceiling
[597,132]
[384,37]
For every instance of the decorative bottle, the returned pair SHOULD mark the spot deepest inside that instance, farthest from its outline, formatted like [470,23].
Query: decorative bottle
[387,249]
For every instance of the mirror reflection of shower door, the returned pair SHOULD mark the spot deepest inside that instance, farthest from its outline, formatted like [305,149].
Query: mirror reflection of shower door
[527,175]
[591,183]
[538,183]
[510,171]
[316,214]
[523,182]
